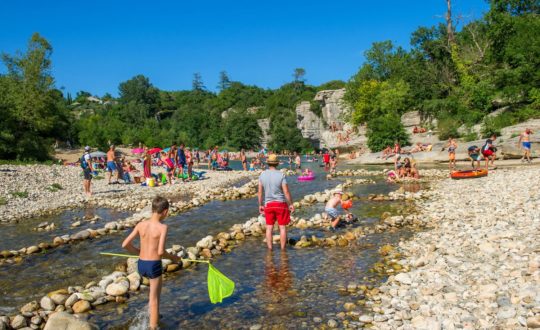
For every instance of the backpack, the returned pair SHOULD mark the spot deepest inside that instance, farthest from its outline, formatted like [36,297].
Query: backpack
[84,163]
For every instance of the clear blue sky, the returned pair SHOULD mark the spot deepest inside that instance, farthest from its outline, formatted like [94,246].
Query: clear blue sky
[98,44]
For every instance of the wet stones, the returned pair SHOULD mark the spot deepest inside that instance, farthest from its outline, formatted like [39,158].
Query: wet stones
[81,306]
[30,307]
[47,304]
[18,322]
[119,287]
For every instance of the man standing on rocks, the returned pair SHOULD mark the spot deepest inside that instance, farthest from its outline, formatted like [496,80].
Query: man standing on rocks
[525,141]
[111,163]
[86,165]
[277,201]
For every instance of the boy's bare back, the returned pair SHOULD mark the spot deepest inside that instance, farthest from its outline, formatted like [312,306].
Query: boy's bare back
[152,235]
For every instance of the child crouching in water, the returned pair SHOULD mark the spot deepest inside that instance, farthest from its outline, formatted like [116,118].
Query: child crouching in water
[152,234]
[331,209]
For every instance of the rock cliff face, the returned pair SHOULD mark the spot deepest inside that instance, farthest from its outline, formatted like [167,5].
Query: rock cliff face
[309,123]
[334,109]
[330,131]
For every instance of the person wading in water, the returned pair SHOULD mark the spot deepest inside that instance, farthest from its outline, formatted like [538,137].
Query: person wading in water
[277,204]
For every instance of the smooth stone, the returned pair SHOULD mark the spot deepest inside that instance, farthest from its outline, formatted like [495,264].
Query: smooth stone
[72,300]
[365,319]
[403,278]
[47,304]
[533,322]
[81,306]
[134,281]
[63,320]
[18,322]
[30,307]
[32,249]
[59,298]
[117,289]
[332,323]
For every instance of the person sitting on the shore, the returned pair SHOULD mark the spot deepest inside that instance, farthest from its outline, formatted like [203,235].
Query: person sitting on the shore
[489,150]
[415,130]
[414,173]
[405,170]
[474,156]
[387,151]
[392,176]
[331,209]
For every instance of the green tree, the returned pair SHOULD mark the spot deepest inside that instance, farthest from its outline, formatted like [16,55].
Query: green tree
[241,130]
[32,110]
[384,131]
[197,83]
[299,74]
[224,81]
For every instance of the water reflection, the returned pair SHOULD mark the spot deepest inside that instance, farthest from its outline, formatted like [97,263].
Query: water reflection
[278,278]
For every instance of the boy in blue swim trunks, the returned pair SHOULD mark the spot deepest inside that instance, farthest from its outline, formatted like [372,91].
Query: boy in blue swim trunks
[474,156]
[525,141]
[111,163]
[152,234]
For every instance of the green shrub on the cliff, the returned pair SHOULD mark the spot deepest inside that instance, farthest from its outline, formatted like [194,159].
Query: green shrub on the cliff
[384,131]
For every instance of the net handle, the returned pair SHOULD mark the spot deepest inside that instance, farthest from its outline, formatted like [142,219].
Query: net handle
[132,256]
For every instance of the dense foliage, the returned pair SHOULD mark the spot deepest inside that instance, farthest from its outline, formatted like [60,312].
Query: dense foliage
[458,79]
[34,115]
[32,112]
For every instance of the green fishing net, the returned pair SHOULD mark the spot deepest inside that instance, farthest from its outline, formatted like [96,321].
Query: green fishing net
[219,286]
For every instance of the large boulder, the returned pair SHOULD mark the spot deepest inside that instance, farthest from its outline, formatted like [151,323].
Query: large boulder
[65,321]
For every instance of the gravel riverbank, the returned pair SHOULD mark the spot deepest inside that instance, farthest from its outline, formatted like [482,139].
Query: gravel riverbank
[32,190]
[478,268]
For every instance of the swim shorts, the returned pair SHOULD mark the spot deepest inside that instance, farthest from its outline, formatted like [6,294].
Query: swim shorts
[526,145]
[474,156]
[277,211]
[487,153]
[332,212]
[150,268]
[87,174]
[111,166]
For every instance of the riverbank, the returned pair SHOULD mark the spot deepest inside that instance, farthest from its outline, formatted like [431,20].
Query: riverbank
[33,190]
[479,265]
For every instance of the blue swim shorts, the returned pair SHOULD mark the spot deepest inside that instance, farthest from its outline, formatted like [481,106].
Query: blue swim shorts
[111,166]
[332,212]
[526,145]
[150,268]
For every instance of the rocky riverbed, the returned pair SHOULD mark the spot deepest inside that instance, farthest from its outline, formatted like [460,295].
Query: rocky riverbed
[32,190]
[478,268]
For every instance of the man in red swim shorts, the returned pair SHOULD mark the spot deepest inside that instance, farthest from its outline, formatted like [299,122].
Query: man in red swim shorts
[277,201]
[489,149]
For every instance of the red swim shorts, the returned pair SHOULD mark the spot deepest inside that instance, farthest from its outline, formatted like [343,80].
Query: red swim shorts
[277,211]
[487,153]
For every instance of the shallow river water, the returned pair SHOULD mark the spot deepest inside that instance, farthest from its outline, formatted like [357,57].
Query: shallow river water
[289,288]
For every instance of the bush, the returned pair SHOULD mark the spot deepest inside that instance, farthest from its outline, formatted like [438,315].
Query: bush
[3,201]
[384,131]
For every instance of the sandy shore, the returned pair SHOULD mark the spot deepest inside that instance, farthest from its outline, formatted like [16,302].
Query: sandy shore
[31,190]
[478,268]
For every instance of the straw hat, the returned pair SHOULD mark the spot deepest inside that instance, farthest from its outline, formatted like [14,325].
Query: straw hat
[272,160]
[345,197]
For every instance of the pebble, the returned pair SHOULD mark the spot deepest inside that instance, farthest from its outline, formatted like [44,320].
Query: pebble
[81,306]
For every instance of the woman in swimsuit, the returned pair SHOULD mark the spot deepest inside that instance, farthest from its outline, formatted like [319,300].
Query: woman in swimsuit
[452,146]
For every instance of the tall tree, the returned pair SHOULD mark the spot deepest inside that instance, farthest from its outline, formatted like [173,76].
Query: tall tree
[224,81]
[197,83]
[299,74]
[35,110]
